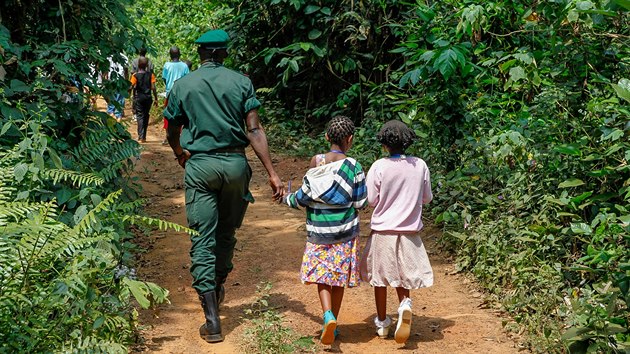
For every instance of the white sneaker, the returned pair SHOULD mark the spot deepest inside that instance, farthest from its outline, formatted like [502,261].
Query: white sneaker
[403,327]
[382,327]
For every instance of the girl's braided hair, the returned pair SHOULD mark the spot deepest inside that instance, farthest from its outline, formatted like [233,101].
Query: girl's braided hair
[396,135]
[339,128]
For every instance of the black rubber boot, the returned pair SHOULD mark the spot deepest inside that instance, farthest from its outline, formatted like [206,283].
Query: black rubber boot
[211,330]
[221,292]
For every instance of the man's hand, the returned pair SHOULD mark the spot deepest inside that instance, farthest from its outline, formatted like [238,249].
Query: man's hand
[277,187]
[183,157]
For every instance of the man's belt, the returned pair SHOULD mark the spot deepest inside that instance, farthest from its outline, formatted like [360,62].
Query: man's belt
[228,150]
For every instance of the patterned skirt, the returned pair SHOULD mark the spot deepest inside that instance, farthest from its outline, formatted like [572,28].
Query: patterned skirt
[335,264]
[396,260]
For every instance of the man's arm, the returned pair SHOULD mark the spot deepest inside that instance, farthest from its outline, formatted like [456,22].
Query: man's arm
[154,90]
[258,140]
[172,135]
[172,113]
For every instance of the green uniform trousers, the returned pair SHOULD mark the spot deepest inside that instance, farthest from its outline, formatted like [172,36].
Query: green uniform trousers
[217,195]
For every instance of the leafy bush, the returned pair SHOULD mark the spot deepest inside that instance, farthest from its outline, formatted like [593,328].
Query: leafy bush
[67,198]
[522,114]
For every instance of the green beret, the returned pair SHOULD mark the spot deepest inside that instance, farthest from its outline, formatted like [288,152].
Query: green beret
[213,39]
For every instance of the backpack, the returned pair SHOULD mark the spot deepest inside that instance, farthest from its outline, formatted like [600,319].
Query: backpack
[143,85]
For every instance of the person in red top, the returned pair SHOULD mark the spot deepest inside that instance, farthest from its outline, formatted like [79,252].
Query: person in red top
[142,84]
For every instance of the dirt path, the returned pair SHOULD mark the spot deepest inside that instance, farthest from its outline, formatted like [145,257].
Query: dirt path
[448,317]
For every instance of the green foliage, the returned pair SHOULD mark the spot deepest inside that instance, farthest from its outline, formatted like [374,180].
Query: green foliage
[522,113]
[265,331]
[67,200]
[176,23]
[316,56]
[536,159]
[64,282]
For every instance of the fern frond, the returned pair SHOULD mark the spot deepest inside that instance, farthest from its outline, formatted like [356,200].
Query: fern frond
[79,179]
[20,210]
[7,178]
[104,147]
[152,222]
[112,170]
[90,218]
[131,207]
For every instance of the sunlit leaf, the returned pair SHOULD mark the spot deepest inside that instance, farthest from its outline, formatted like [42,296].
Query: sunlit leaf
[571,183]
[568,149]
[310,9]
[581,228]
[622,88]
[314,34]
[517,73]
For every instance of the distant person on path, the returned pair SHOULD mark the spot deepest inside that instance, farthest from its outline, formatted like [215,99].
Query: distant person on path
[218,110]
[189,65]
[394,255]
[332,191]
[142,85]
[172,71]
[117,71]
[142,53]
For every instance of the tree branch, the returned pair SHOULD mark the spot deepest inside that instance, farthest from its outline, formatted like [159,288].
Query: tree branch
[63,22]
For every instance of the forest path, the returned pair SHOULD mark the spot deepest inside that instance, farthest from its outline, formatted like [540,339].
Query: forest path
[448,317]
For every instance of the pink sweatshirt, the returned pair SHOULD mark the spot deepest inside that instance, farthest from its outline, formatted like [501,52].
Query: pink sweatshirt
[397,188]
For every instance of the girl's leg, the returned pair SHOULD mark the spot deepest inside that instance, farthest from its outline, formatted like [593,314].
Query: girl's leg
[380,297]
[325,296]
[337,297]
[330,322]
[403,327]
[402,293]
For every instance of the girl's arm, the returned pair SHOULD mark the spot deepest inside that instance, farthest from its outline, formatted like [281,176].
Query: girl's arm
[372,185]
[299,198]
[359,193]
[427,195]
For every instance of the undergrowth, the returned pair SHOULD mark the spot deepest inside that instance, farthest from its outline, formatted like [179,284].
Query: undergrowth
[265,331]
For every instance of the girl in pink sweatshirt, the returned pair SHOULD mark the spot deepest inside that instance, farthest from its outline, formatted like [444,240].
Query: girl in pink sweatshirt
[394,255]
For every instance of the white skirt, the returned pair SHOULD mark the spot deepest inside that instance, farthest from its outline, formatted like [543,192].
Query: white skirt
[396,260]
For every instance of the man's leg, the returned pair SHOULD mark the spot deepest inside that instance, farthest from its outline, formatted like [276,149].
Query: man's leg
[226,241]
[120,113]
[134,109]
[165,141]
[142,113]
[201,210]
[202,181]
[233,201]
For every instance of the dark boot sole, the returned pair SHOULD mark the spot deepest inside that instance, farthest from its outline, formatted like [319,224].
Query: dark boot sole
[212,338]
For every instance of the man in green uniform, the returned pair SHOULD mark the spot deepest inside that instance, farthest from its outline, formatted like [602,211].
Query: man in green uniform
[217,109]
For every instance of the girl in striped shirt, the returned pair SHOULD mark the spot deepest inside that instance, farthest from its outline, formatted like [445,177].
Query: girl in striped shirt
[332,191]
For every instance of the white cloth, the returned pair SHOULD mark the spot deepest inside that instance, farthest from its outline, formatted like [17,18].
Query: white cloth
[396,260]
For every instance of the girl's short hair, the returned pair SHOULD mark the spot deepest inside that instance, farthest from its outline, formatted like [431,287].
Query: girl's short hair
[339,128]
[396,135]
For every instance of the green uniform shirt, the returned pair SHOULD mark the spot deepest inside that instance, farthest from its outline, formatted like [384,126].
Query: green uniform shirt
[211,103]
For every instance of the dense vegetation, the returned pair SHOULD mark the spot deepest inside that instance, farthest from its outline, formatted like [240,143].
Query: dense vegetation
[67,200]
[522,110]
